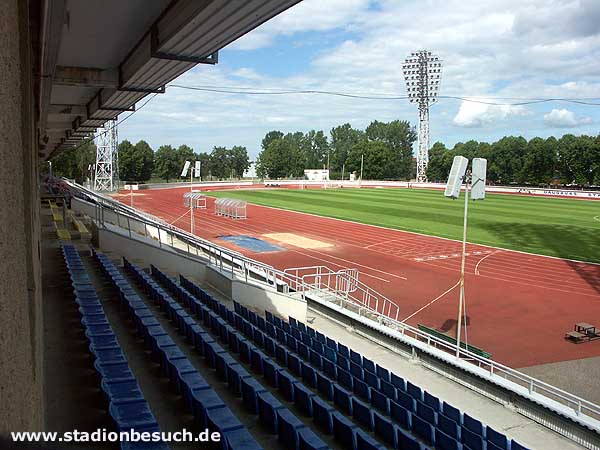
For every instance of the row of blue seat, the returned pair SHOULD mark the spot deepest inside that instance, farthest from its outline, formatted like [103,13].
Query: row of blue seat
[445,426]
[272,413]
[325,416]
[127,405]
[202,401]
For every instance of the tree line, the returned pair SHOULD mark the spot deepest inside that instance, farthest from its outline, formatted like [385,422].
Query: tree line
[569,160]
[385,148]
[139,162]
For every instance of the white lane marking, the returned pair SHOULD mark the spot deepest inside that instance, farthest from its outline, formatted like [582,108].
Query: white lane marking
[381,243]
[481,260]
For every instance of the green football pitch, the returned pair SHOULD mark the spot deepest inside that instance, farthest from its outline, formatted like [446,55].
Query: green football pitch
[565,228]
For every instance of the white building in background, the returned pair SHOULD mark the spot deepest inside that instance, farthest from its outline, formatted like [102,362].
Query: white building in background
[251,171]
[317,174]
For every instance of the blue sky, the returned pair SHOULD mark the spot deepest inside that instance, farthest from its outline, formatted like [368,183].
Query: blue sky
[490,48]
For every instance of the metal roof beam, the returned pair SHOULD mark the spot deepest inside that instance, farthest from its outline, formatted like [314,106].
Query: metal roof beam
[86,77]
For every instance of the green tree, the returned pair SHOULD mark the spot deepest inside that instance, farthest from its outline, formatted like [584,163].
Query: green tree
[506,159]
[166,163]
[282,158]
[316,149]
[136,162]
[399,137]
[75,163]
[184,153]
[343,138]
[380,161]
[438,167]
[220,162]
[240,161]
[539,161]
[579,159]
[270,137]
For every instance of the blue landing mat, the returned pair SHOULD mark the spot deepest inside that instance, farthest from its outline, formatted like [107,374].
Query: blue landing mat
[251,243]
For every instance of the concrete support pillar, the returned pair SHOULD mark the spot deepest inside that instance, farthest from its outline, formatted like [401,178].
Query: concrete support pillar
[21,378]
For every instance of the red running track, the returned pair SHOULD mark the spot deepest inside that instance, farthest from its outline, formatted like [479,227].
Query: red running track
[518,305]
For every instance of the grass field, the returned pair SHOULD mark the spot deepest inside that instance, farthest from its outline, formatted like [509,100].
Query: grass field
[566,228]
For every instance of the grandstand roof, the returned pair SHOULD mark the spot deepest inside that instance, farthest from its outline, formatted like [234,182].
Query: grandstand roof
[100,57]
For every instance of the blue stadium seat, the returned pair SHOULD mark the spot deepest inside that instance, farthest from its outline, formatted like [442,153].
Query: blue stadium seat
[388,389]
[445,442]
[426,413]
[424,430]
[406,401]
[303,398]
[250,389]
[286,383]
[514,445]
[397,381]
[385,430]
[472,440]
[235,375]
[342,399]
[204,400]
[414,391]
[368,364]
[309,375]
[432,401]
[267,411]
[323,415]
[222,420]
[344,431]
[371,379]
[496,438]
[289,426]
[345,378]
[366,442]
[240,439]
[406,441]
[270,370]
[325,386]
[380,402]
[452,413]
[473,425]
[383,373]
[400,415]
[294,364]
[356,370]
[361,413]
[308,440]
[449,426]
[329,368]
[362,390]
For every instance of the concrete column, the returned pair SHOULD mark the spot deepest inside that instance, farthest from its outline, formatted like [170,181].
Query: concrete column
[21,399]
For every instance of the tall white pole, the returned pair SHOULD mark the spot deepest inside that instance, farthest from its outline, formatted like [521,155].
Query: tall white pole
[462,267]
[191,201]
[362,160]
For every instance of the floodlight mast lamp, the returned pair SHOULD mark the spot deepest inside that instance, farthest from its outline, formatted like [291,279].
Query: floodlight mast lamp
[422,73]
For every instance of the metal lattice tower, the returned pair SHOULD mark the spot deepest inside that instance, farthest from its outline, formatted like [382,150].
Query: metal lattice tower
[107,158]
[422,73]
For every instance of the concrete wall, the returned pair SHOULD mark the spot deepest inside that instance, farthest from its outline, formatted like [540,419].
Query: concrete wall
[257,298]
[21,399]
[147,250]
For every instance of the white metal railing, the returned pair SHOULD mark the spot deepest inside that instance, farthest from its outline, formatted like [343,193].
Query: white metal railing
[344,284]
[322,281]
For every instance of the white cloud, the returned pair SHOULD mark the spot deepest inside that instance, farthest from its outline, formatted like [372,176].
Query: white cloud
[472,114]
[563,118]
[308,15]
[489,49]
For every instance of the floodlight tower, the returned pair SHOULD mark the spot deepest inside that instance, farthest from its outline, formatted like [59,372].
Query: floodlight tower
[422,73]
[107,158]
